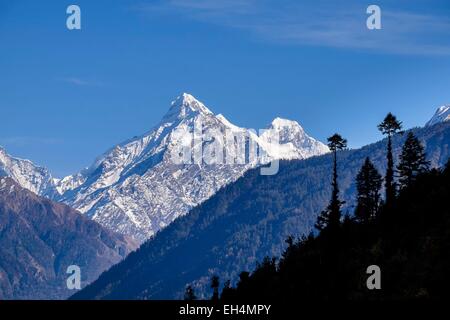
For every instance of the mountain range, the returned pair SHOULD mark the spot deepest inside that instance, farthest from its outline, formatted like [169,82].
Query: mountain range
[245,222]
[196,218]
[136,189]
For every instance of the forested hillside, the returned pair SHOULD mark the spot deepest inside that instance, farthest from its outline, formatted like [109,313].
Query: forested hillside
[409,241]
[245,222]
[40,239]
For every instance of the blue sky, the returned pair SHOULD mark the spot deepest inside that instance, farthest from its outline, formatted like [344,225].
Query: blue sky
[67,96]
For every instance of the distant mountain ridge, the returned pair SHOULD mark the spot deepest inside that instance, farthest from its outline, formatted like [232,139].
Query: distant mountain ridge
[39,239]
[442,115]
[135,189]
[244,222]
[28,175]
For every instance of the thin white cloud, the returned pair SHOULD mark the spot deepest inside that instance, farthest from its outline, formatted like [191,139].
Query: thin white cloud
[81,82]
[318,23]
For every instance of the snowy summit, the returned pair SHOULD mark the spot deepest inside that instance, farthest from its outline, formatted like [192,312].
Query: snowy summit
[442,115]
[136,189]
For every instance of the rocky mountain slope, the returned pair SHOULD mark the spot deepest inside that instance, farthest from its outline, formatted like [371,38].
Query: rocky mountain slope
[442,115]
[136,188]
[244,222]
[28,175]
[39,239]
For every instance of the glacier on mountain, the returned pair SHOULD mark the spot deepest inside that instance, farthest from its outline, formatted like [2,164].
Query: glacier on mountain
[442,115]
[135,188]
[26,174]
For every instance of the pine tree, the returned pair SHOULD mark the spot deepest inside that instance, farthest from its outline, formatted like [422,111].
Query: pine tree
[227,291]
[189,294]
[412,161]
[368,185]
[215,286]
[331,216]
[389,127]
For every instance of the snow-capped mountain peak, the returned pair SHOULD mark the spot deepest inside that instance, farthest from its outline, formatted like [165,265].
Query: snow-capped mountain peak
[280,123]
[289,141]
[136,188]
[185,106]
[442,115]
[25,173]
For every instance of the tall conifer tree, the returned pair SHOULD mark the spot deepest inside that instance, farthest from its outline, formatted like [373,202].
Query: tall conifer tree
[368,185]
[330,218]
[390,126]
[412,161]
[215,286]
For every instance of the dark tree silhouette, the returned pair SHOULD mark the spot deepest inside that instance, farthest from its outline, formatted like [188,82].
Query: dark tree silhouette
[368,185]
[227,291]
[189,294]
[389,127]
[215,286]
[412,248]
[412,161]
[331,216]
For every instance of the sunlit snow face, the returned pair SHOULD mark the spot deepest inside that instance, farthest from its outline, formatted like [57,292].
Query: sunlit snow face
[182,136]
[442,115]
[135,189]
[213,146]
